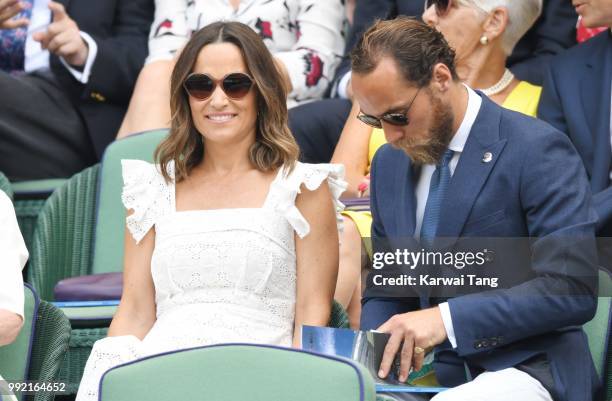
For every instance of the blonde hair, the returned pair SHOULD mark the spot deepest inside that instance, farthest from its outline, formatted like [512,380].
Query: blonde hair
[522,14]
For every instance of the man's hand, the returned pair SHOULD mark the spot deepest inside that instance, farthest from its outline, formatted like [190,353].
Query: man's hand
[63,37]
[420,331]
[8,9]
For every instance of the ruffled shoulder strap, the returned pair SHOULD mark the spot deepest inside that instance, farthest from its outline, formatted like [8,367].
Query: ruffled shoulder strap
[287,187]
[146,192]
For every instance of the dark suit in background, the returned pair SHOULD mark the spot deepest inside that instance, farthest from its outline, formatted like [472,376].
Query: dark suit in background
[51,125]
[576,100]
[317,126]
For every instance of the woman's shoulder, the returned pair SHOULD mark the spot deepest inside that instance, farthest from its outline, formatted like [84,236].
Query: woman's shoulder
[312,175]
[147,193]
[309,176]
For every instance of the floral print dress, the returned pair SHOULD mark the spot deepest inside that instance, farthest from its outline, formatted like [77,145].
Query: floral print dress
[306,35]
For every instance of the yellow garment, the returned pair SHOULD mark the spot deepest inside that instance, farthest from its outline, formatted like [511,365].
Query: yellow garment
[524,98]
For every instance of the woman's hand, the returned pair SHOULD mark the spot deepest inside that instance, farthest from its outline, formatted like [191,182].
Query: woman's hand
[363,189]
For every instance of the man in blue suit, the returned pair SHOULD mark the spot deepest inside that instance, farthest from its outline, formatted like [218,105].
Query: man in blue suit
[576,100]
[459,166]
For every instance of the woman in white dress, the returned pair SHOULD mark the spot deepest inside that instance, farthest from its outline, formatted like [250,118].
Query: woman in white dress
[228,238]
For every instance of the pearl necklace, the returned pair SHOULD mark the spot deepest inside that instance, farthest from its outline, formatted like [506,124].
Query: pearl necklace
[502,84]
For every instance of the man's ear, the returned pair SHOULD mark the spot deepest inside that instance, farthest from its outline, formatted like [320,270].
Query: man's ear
[496,23]
[442,77]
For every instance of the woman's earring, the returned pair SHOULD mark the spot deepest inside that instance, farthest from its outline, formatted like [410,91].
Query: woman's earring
[484,40]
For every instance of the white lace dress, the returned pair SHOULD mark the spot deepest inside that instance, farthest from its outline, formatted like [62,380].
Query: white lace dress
[223,275]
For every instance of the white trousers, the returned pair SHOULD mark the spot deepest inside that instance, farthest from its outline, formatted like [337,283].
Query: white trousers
[505,385]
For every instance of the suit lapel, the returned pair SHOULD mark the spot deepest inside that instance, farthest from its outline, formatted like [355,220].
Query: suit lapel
[404,196]
[472,170]
[595,95]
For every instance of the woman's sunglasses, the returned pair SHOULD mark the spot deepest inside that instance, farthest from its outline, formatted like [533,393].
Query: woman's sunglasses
[201,86]
[398,119]
[441,6]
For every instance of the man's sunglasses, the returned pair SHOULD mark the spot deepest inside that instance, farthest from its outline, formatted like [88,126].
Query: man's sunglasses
[399,119]
[201,86]
[441,6]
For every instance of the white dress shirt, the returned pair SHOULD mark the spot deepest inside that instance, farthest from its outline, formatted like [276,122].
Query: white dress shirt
[422,189]
[13,256]
[36,58]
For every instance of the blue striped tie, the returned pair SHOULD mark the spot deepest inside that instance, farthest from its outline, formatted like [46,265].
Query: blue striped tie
[12,43]
[437,190]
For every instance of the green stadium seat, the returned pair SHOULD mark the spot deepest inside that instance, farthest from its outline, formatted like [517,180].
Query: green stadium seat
[229,372]
[598,333]
[39,349]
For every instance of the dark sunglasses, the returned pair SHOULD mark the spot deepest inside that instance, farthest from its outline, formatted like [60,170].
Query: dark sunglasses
[399,119]
[201,86]
[441,6]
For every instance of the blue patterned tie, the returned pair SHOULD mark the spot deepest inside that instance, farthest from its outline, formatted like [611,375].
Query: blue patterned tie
[437,189]
[12,43]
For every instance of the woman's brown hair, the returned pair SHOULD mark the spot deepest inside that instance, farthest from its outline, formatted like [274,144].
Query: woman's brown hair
[274,145]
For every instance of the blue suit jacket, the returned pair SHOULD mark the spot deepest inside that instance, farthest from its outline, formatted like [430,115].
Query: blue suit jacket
[576,100]
[535,186]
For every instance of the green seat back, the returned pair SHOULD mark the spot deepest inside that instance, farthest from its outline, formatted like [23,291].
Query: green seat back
[61,246]
[239,372]
[598,329]
[5,186]
[110,218]
[37,189]
[15,357]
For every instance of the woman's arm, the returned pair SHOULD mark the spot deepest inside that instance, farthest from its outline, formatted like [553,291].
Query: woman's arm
[352,151]
[10,325]
[136,312]
[317,260]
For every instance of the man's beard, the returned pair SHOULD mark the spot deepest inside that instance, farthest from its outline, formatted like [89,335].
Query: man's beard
[429,150]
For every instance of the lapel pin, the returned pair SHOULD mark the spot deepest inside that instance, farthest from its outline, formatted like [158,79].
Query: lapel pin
[487,157]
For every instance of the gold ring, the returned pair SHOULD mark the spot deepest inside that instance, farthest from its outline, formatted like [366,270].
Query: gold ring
[419,350]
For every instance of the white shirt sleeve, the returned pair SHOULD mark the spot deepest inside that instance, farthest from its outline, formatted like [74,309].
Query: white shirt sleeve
[83,76]
[448,323]
[343,85]
[13,256]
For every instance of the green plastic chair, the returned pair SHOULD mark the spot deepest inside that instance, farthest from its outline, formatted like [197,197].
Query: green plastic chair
[80,232]
[15,357]
[598,332]
[38,350]
[229,372]
[29,200]
[5,186]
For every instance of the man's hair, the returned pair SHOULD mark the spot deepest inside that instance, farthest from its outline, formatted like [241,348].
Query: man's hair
[414,46]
